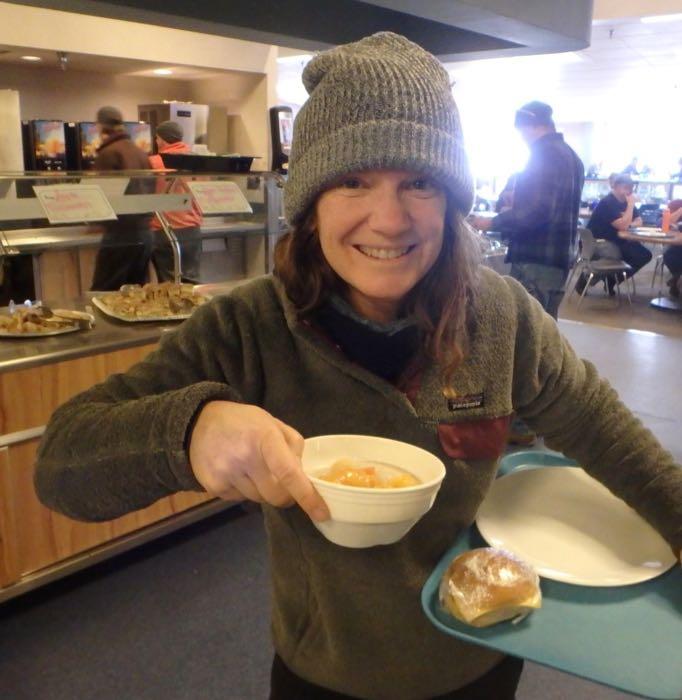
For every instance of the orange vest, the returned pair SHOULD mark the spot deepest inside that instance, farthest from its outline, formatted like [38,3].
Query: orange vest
[177,219]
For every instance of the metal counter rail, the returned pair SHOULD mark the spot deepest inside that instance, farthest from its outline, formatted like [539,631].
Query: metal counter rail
[34,240]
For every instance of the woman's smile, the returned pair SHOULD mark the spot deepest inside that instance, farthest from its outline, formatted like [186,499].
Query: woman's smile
[384,253]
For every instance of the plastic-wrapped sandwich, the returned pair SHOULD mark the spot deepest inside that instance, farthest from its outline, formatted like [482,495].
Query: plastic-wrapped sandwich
[485,586]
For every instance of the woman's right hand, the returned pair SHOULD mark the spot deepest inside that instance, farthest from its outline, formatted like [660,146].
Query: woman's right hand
[238,452]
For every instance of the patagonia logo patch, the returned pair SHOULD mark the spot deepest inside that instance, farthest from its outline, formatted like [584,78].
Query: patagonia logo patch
[460,403]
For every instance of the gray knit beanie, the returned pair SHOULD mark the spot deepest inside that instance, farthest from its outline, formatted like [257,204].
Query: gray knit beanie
[381,102]
[170,132]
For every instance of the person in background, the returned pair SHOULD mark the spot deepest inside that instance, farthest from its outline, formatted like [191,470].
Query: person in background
[672,257]
[127,242]
[631,168]
[540,228]
[185,224]
[610,221]
[678,175]
[377,318]
[673,261]
[541,225]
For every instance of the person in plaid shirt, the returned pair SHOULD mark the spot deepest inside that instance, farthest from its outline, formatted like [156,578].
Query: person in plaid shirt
[540,228]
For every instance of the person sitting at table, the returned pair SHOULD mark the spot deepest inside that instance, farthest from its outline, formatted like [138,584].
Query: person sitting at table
[672,257]
[675,207]
[610,221]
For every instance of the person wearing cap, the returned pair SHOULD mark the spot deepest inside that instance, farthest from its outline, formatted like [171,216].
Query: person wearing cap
[185,224]
[540,228]
[127,242]
[609,223]
[378,320]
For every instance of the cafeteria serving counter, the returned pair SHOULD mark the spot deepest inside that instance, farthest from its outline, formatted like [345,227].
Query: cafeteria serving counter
[36,376]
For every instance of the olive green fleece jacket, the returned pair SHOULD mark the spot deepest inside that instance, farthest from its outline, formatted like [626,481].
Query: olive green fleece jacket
[350,619]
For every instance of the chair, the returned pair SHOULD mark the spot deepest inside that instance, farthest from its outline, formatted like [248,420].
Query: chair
[600,268]
[659,269]
[576,258]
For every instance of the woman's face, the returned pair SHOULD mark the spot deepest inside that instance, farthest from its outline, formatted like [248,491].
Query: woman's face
[381,231]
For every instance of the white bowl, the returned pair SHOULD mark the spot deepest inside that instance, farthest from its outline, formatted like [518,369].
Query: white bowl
[365,517]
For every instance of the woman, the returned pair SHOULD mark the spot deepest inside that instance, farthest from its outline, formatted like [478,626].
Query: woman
[377,321]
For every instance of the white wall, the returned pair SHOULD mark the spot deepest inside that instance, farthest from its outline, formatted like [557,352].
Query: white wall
[11,154]
[71,95]
[610,9]
[245,93]
[40,28]
[580,137]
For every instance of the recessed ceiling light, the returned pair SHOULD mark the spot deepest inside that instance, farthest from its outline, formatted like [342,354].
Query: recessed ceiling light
[163,71]
[653,19]
[31,58]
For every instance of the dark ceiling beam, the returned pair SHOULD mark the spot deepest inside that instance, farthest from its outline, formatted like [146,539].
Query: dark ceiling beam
[533,25]
[451,29]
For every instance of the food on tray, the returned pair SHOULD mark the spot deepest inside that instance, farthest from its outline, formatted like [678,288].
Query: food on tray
[485,586]
[371,475]
[42,319]
[154,300]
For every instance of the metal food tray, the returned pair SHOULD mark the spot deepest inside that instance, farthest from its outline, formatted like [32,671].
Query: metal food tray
[46,334]
[99,303]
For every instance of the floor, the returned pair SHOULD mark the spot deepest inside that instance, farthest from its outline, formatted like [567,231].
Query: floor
[598,308]
[186,617]
[643,367]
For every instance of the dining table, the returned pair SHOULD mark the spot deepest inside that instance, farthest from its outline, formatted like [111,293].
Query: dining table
[656,236]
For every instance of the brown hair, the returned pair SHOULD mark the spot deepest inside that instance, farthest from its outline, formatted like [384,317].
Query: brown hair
[441,301]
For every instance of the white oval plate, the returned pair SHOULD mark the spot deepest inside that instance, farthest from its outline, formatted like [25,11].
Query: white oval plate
[571,528]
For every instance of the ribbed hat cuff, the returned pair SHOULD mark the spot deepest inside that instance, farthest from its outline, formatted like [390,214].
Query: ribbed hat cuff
[379,145]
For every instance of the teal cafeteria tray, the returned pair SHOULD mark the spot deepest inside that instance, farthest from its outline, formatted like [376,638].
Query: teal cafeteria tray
[626,637]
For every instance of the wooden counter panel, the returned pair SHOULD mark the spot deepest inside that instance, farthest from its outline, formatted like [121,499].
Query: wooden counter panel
[40,537]
[86,267]
[32,537]
[28,397]
[9,563]
[60,275]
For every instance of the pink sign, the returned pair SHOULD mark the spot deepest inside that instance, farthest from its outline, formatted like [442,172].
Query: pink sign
[70,204]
